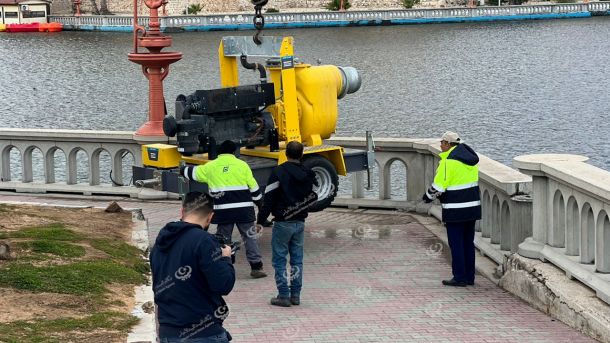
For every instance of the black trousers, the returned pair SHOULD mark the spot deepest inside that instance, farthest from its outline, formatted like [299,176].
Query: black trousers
[461,242]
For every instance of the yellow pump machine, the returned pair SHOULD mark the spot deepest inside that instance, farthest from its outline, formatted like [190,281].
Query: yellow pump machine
[294,101]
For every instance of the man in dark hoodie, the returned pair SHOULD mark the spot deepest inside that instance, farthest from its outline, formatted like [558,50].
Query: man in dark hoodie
[456,185]
[191,272]
[288,195]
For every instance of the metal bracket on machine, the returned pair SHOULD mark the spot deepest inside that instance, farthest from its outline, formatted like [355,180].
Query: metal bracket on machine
[370,157]
[155,182]
[235,46]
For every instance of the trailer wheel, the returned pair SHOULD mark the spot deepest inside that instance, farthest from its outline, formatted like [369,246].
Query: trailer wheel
[328,181]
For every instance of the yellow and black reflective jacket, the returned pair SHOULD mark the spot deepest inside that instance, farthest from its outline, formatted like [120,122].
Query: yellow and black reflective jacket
[456,184]
[232,185]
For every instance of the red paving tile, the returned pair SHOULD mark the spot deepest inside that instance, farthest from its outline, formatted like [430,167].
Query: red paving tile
[368,277]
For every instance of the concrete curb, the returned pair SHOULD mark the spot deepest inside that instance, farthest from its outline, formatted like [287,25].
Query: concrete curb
[145,330]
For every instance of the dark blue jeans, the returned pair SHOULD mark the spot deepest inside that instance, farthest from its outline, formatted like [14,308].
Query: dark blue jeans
[221,338]
[461,242]
[288,238]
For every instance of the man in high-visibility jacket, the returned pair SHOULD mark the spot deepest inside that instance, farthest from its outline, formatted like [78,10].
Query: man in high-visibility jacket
[456,185]
[235,192]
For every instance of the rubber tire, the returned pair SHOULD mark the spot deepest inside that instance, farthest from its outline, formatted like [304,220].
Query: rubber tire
[315,162]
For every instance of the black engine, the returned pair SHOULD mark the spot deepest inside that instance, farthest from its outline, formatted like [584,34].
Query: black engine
[206,118]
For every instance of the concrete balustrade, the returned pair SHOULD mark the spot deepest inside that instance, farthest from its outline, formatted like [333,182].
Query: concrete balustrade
[313,19]
[567,223]
[571,225]
[69,143]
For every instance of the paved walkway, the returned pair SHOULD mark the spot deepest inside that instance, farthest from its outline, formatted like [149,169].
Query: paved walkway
[369,276]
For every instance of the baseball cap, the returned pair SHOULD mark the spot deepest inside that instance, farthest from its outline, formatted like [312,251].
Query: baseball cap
[451,137]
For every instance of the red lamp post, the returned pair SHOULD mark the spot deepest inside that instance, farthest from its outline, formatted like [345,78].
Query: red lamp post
[77,5]
[155,66]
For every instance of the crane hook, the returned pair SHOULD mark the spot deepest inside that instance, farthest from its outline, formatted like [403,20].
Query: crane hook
[259,20]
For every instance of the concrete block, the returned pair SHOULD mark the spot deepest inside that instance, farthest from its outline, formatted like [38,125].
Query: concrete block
[151,194]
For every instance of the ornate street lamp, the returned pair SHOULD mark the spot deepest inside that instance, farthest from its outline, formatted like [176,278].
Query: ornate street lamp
[155,66]
[77,5]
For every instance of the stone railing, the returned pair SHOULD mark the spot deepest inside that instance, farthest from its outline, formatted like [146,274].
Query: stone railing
[98,21]
[506,218]
[65,145]
[570,217]
[567,225]
[327,18]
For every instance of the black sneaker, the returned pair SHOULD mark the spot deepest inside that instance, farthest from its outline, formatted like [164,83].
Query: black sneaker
[258,273]
[454,283]
[280,301]
[470,283]
[295,300]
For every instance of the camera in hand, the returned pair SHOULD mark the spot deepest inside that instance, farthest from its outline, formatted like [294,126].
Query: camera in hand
[224,241]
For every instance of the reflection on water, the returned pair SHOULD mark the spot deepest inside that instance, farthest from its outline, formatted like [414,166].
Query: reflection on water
[509,88]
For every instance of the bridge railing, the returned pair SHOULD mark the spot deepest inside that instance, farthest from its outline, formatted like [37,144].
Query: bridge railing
[51,144]
[567,224]
[98,20]
[571,225]
[245,20]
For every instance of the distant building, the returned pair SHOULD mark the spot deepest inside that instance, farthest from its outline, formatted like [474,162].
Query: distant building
[24,11]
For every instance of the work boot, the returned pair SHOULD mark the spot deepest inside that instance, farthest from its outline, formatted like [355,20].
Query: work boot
[257,270]
[257,273]
[280,301]
[295,300]
[454,283]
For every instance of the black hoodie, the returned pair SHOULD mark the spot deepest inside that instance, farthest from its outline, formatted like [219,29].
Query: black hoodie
[289,193]
[190,276]
[464,154]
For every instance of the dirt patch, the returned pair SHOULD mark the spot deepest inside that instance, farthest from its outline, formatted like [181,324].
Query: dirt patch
[19,305]
[89,221]
[122,299]
[51,237]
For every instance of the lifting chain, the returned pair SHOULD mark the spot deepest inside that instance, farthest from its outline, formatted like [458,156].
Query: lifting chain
[259,20]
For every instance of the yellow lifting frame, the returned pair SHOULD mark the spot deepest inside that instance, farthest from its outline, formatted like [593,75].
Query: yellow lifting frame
[229,77]
[287,109]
